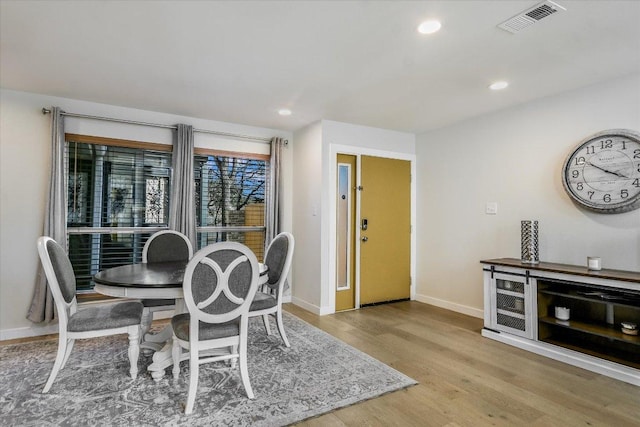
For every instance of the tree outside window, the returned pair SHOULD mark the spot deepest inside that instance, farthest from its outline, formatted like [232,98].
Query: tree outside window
[230,200]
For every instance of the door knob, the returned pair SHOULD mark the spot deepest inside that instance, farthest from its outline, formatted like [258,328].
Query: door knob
[364,238]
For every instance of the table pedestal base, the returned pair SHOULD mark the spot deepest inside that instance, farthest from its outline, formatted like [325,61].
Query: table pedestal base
[156,342]
[163,358]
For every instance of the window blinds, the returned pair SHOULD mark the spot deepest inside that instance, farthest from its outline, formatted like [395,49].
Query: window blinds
[117,197]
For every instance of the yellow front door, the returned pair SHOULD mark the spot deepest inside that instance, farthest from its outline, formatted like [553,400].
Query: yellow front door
[345,232]
[385,230]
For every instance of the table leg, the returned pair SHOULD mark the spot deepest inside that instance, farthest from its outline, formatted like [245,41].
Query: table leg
[163,358]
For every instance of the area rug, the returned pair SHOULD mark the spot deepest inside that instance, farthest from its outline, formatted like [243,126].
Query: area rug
[316,375]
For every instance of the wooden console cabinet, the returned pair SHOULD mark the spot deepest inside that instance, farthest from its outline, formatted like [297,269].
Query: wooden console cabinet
[520,302]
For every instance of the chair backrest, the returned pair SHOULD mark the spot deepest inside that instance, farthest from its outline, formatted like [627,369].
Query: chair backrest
[220,282]
[278,259]
[60,276]
[167,246]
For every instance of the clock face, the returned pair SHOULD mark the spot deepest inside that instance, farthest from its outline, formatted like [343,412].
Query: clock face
[603,172]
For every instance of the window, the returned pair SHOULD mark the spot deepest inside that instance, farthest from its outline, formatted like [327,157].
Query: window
[344,218]
[231,191]
[118,195]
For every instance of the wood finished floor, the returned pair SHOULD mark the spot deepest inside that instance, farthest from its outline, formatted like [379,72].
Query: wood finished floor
[466,379]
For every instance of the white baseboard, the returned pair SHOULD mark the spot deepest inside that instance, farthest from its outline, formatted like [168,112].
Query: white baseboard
[307,306]
[28,332]
[326,310]
[52,328]
[34,331]
[459,308]
[470,311]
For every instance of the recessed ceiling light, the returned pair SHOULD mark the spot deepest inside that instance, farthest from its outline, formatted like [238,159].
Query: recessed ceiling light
[429,27]
[498,85]
[284,112]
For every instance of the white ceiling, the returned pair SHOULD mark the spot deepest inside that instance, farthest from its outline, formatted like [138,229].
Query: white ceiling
[359,62]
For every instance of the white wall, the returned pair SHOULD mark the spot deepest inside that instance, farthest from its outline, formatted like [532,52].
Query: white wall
[307,187]
[314,177]
[338,133]
[24,154]
[514,157]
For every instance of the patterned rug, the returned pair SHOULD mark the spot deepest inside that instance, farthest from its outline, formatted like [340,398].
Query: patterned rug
[316,375]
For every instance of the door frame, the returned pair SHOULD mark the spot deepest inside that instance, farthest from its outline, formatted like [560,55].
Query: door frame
[334,149]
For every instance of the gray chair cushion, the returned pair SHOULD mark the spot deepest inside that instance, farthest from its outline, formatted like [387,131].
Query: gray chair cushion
[206,331]
[108,316]
[262,301]
[63,270]
[167,247]
[276,257]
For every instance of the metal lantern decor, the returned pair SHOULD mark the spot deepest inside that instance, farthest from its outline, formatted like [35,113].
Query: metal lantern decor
[529,249]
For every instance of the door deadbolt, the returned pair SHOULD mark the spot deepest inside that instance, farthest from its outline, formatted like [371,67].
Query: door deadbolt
[364,238]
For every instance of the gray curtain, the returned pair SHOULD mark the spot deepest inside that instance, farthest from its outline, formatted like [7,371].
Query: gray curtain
[182,216]
[55,221]
[273,203]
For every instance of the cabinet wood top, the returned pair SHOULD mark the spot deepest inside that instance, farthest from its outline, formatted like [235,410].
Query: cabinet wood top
[623,275]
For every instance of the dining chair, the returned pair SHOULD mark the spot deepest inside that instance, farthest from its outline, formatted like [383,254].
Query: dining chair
[268,301]
[163,246]
[91,322]
[219,284]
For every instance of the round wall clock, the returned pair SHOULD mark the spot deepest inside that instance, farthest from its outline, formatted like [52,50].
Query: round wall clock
[603,172]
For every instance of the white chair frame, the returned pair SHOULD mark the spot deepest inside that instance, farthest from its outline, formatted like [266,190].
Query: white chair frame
[276,310]
[231,348]
[65,310]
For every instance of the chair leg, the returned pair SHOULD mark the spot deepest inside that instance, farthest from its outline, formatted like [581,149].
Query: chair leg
[134,350]
[244,372]
[176,353]
[67,352]
[63,344]
[265,320]
[194,367]
[281,328]
[233,362]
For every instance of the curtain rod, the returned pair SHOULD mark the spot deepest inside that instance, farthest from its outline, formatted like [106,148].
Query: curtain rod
[157,125]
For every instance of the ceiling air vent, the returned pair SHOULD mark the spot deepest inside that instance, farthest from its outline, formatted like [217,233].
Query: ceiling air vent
[530,16]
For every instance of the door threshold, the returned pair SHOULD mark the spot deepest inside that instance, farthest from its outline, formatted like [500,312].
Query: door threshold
[371,304]
[345,310]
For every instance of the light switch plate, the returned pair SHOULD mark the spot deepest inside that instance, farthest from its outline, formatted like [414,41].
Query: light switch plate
[491,208]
